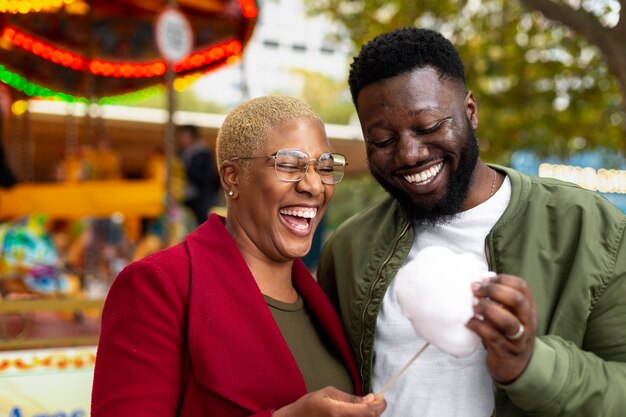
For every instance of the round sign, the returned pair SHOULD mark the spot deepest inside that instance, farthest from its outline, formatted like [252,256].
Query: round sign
[174,36]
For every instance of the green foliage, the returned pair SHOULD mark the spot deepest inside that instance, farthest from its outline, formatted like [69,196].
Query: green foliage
[328,97]
[538,85]
[352,195]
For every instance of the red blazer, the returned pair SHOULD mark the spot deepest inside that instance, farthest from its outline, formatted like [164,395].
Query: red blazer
[187,332]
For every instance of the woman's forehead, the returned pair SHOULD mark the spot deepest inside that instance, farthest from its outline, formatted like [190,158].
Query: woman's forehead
[305,134]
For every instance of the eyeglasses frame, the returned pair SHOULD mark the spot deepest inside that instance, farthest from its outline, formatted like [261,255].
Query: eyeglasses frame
[303,172]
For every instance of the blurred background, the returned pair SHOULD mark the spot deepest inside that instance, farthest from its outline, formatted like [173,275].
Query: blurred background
[91,174]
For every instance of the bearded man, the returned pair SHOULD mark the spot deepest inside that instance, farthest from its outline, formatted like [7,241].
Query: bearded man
[552,322]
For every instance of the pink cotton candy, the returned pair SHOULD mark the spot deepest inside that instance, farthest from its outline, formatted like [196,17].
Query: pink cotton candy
[436,296]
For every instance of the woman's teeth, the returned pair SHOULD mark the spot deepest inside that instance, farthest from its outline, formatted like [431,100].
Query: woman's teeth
[424,177]
[307,213]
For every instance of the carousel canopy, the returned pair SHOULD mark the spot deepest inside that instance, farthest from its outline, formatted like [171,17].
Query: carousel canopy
[86,51]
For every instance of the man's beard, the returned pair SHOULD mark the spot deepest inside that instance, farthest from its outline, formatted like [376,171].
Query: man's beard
[451,204]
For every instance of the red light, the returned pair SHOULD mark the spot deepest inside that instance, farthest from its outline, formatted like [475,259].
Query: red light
[77,63]
[159,68]
[37,48]
[19,38]
[56,57]
[126,70]
[107,68]
[9,33]
[28,44]
[47,51]
[67,59]
[197,60]
[138,72]
[95,67]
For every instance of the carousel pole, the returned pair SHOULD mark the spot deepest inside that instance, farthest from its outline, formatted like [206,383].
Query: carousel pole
[174,39]
[169,148]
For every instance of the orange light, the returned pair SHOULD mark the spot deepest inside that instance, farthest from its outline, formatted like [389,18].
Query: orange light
[56,57]
[37,48]
[107,68]
[95,67]
[9,33]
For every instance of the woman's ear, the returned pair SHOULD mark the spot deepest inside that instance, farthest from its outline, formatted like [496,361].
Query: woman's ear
[229,178]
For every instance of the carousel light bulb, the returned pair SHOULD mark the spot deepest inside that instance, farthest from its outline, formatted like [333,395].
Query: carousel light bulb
[19,107]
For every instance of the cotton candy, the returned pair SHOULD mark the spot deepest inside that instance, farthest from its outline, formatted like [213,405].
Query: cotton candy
[436,296]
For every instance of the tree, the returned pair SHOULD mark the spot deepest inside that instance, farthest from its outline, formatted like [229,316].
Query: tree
[539,84]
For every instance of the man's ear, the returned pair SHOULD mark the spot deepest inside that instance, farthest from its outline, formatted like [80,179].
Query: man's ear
[471,109]
[229,178]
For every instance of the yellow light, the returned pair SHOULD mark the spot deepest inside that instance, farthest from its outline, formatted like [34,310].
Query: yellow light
[603,180]
[233,59]
[19,107]
[34,6]
[180,84]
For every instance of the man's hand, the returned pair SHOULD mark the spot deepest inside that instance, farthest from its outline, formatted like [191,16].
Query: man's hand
[506,321]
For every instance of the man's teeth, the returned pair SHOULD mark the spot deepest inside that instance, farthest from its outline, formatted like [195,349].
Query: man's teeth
[306,213]
[425,176]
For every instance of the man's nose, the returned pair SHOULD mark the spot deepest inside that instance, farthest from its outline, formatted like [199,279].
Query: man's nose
[411,150]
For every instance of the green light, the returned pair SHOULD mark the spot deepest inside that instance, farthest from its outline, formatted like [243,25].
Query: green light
[33,90]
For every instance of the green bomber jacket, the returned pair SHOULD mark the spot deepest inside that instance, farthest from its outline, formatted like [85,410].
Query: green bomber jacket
[569,245]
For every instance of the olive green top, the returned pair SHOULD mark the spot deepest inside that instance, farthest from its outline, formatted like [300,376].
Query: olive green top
[317,359]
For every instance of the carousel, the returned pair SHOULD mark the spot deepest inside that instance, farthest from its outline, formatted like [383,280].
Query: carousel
[66,229]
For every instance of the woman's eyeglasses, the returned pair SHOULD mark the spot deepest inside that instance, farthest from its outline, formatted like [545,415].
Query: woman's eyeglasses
[292,165]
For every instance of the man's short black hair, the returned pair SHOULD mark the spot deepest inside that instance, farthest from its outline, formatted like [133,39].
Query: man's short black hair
[404,50]
[193,130]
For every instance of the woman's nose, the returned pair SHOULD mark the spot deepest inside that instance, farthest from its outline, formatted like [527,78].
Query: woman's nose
[311,182]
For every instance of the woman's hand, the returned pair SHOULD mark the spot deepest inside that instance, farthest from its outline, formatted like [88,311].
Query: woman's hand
[331,402]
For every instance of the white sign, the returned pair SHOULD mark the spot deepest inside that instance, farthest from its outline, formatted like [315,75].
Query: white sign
[46,382]
[174,36]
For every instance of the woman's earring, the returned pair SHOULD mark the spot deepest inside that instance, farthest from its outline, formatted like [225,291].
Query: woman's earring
[231,193]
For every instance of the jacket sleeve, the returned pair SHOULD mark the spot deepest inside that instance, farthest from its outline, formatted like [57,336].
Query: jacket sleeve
[140,357]
[563,379]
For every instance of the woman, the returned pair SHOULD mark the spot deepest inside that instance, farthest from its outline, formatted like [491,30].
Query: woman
[229,322]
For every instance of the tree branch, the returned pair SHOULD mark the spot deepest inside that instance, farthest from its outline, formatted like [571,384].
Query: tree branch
[580,21]
[621,24]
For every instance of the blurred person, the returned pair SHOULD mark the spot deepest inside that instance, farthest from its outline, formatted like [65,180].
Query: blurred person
[7,179]
[230,322]
[552,322]
[103,161]
[200,170]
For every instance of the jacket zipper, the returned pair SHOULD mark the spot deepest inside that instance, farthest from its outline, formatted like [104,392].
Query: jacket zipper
[490,266]
[371,293]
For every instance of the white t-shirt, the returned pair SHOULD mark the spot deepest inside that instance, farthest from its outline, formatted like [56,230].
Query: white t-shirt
[437,384]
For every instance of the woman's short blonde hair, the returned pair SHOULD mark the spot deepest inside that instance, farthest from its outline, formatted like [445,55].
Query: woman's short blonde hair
[247,126]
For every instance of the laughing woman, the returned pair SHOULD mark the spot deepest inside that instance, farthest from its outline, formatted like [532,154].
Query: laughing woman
[229,322]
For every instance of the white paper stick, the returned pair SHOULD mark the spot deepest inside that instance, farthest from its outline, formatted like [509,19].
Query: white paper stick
[401,371]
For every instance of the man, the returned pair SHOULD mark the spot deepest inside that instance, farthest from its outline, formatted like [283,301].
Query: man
[200,170]
[553,321]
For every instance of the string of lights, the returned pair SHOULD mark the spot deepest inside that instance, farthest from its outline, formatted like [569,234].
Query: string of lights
[34,6]
[30,89]
[106,68]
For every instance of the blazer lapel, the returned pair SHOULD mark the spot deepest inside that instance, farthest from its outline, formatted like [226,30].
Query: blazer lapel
[236,348]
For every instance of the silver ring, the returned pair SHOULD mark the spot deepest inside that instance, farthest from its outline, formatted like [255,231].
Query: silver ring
[518,334]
